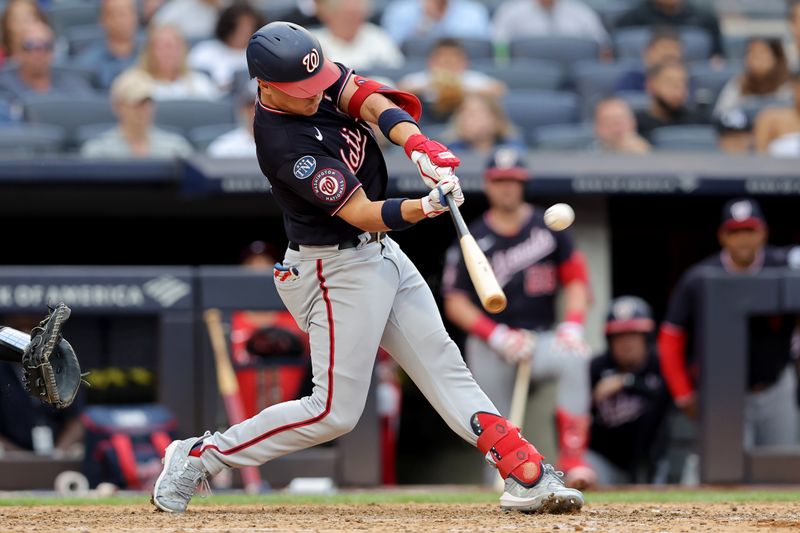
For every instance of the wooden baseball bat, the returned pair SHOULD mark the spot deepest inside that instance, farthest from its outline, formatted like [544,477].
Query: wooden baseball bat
[519,403]
[229,388]
[480,271]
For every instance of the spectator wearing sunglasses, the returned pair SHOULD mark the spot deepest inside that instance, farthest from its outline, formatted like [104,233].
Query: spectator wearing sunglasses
[34,74]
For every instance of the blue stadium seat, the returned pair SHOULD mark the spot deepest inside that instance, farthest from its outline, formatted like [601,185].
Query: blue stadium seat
[707,82]
[204,135]
[690,137]
[476,48]
[395,74]
[532,109]
[564,50]
[87,132]
[525,74]
[595,80]
[186,115]
[638,101]
[735,47]
[630,42]
[610,10]
[30,140]
[68,112]
[564,137]
[83,36]
[69,14]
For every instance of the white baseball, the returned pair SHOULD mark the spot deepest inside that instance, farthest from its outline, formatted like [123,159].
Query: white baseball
[559,217]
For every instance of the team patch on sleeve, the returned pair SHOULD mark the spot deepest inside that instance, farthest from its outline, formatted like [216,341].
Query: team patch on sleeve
[329,185]
[304,167]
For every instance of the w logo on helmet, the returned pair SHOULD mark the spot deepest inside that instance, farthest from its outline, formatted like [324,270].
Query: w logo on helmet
[311,60]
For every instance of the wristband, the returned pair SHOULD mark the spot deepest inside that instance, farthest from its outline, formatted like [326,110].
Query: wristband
[393,216]
[391,118]
[483,327]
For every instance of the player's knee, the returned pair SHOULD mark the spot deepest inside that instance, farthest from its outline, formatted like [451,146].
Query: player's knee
[339,425]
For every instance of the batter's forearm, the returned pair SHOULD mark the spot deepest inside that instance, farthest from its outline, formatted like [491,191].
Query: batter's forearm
[576,298]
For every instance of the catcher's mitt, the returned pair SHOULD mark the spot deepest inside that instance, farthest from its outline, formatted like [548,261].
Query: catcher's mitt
[51,369]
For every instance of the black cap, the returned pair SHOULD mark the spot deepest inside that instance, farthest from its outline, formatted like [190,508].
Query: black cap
[507,162]
[629,314]
[742,213]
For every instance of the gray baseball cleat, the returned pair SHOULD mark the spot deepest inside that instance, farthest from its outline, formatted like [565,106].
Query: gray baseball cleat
[548,495]
[180,477]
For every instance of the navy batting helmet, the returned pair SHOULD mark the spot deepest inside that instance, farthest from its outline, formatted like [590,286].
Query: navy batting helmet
[290,58]
[629,314]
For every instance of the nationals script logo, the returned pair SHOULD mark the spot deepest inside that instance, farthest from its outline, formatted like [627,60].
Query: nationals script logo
[357,145]
[311,60]
[329,185]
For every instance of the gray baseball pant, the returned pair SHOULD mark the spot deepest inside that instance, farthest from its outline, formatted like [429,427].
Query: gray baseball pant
[770,416]
[351,302]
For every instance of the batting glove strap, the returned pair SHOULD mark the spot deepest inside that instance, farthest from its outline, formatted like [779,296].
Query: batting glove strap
[434,160]
[435,203]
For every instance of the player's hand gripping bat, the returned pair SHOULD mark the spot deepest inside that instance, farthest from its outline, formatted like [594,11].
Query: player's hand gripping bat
[229,388]
[480,271]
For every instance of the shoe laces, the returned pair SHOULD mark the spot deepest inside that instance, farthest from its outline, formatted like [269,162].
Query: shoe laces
[188,481]
[556,476]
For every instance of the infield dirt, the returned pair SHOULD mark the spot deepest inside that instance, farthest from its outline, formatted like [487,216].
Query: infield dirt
[387,517]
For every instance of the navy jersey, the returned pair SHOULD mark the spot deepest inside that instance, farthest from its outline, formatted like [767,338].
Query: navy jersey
[626,427]
[526,266]
[314,164]
[770,336]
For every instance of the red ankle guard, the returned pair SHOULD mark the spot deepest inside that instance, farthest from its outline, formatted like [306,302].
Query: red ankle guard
[513,455]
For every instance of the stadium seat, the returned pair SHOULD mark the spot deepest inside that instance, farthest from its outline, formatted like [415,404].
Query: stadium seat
[594,80]
[525,74]
[204,135]
[69,14]
[532,109]
[83,36]
[638,101]
[564,50]
[707,82]
[629,42]
[395,74]
[476,48]
[68,112]
[30,140]
[90,131]
[564,137]
[610,10]
[188,114]
[690,137]
[735,47]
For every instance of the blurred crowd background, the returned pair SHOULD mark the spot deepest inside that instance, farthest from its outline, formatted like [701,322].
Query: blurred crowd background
[618,75]
[163,79]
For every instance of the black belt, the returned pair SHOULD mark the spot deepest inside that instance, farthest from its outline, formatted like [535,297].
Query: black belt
[374,236]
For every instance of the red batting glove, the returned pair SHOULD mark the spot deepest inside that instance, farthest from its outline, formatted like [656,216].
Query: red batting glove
[433,159]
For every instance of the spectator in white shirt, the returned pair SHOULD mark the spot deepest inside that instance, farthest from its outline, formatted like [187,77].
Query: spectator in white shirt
[537,18]
[224,55]
[240,141]
[195,18]
[347,37]
[406,19]
[164,58]
[448,79]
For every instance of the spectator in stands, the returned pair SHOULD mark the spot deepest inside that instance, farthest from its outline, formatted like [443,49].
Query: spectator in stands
[734,132]
[766,75]
[791,43]
[164,59]
[147,11]
[17,16]
[195,18]
[777,129]
[34,426]
[770,405]
[629,398]
[664,45]
[33,74]
[677,13]
[667,84]
[615,128]
[536,18]
[238,142]
[479,125]
[119,49]
[135,136]
[347,36]
[222,56]
[448,78]
[433,19]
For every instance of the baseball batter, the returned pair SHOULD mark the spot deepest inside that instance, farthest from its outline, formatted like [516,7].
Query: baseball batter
[347,284]
[532,263]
